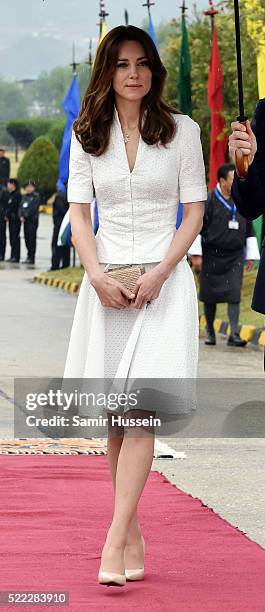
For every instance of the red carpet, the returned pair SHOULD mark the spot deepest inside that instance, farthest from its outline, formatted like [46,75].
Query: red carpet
[55,511]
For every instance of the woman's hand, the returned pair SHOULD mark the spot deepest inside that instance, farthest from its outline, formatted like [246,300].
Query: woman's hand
[111,293]
[242,140]
[148,286]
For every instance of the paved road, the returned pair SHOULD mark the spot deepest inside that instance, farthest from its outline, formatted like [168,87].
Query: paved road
[227,474]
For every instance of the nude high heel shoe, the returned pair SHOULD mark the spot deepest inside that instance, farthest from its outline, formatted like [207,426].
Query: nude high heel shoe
[111,579]
[137,573]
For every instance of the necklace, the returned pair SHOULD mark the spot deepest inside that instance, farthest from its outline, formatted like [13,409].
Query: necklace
[127,135]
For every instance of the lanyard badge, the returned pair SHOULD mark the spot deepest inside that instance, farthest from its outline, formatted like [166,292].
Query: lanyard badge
[233,224]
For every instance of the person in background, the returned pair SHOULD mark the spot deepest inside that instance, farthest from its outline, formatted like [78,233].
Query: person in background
[60,254]
[4,166]
[3,207]
[12,217]
[219,255]
[29,216]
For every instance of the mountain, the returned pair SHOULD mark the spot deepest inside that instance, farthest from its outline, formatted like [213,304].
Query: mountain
[29,56]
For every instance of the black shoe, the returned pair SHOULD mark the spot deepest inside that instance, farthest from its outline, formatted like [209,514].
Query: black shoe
[2,259]
[28,261]
[13,260]
[210,338]
[235,340]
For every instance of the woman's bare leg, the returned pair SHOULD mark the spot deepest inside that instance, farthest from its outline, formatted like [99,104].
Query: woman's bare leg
[133,466]
[115,439]
[134,553]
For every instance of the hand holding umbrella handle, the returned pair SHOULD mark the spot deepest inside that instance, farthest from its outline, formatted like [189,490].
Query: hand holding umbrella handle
[241,161]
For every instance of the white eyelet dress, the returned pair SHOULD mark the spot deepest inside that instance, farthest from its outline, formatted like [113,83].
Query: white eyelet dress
[137,222]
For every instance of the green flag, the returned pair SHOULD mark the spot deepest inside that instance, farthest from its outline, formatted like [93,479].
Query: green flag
[184,81]
[258,229]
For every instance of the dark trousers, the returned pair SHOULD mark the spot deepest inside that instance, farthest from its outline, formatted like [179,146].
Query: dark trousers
[233,311]
[30,235]
[14,237]
[2,238]
[59,253]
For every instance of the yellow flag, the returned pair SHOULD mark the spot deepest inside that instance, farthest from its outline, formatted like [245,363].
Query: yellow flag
[261,71]
[103,31]
[102,35]
[256,30]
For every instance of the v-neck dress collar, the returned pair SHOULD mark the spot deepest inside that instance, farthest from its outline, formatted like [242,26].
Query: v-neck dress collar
[123,146]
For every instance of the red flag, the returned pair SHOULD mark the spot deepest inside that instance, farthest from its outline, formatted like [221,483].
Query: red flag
[216,104]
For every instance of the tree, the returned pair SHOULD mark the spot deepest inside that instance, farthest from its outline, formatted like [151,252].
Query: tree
[200,50]
[12,101]
[56,132]
[49,90]
[40,164]
[24,131]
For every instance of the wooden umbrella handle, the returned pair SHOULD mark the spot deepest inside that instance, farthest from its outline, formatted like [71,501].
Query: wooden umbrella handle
[242,161]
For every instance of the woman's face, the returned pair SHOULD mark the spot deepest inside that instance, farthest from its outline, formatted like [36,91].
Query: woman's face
[132,78]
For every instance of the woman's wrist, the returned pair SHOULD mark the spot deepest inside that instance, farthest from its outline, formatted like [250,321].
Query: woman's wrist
[95,277]
[165,269]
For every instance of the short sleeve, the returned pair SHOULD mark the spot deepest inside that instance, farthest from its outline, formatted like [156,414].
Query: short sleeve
[80,183]
[192,183]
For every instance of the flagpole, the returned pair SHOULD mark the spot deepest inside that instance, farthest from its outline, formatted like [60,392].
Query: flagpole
[74,65]
[216,104]
[211,12]
[89,61]
[149,4]
[183,8]
[184,76]
[151,30]
[102,15]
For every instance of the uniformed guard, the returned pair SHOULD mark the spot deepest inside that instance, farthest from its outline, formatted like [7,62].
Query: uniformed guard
[29,216]
[12,215]
[4,166]
[60,254]
[3,206]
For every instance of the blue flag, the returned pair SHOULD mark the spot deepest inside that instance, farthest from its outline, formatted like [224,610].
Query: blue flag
[179,215]
[151,31]
[71,106]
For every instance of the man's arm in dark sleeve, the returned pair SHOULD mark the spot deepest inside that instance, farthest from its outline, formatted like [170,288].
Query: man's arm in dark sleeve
[249,193]
[250,232]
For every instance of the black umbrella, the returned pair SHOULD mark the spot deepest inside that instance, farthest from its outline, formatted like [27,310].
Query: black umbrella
[242,161]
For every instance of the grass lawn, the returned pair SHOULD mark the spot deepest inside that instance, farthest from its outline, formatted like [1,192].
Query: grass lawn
[68,274]
[247,316]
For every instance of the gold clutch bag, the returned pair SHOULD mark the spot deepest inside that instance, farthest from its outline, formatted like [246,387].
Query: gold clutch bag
[126,274]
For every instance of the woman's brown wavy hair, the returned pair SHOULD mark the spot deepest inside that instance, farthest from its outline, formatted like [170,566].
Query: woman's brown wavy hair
[92,127]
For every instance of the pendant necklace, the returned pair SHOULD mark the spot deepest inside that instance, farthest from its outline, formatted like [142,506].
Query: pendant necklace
[127,135]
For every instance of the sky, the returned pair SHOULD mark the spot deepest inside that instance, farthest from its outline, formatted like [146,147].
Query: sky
[38,34]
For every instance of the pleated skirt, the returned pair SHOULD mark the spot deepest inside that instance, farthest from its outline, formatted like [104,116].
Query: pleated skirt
[158,343]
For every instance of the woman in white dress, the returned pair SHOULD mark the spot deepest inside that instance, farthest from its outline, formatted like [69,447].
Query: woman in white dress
[141,157]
